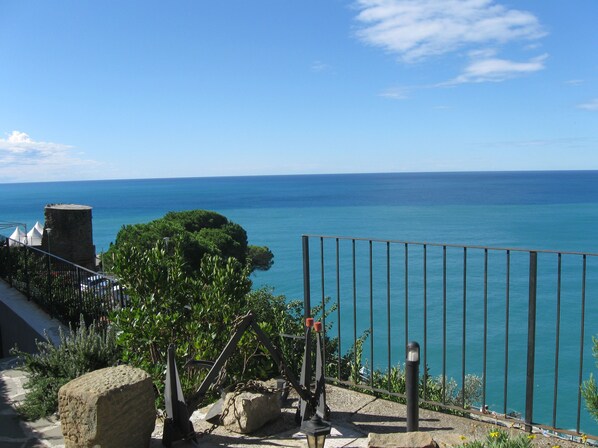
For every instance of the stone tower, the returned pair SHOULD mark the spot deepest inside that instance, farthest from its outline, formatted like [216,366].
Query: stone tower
[70,235]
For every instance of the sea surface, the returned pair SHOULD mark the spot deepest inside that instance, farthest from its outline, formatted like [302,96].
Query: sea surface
[532,210]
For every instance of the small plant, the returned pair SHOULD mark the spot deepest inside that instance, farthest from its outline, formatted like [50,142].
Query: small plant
[498,438]
[589,389]
[80,351]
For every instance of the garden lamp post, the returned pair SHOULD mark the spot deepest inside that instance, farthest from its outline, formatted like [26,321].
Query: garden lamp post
[411,386]
[316,431]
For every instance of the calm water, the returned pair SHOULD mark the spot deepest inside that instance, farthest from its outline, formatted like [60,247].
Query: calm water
[538,210]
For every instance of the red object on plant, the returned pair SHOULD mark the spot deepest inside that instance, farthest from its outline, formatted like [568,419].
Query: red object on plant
[318,326]
[309,322]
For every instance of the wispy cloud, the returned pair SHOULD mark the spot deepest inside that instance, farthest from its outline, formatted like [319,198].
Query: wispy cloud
[574,82]
[590,105]
[24,159]
[395,93]
[415,30]
[319,66]
[496,70]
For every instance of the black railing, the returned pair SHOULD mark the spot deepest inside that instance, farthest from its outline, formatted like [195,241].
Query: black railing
[482,313]
[63,289]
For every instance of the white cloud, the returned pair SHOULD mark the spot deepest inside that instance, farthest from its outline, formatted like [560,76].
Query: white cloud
[574,82]
[319,66]
[24,159]
[496,70]
[416,30]
[590,105]
[395,93]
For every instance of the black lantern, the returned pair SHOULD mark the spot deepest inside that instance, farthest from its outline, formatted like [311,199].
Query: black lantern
[316,431]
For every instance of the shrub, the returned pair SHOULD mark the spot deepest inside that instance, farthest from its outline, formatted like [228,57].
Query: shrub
[500,439]
[80,351]
[589,389]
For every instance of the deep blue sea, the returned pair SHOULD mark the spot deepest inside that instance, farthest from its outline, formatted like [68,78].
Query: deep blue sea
[535,210]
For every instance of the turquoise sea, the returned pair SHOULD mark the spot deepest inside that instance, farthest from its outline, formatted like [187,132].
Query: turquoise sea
[534,210]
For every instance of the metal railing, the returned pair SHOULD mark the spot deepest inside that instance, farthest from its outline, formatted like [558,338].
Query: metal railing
[63,289]
[515,319]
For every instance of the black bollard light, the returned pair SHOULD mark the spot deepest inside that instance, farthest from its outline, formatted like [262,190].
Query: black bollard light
[411,386]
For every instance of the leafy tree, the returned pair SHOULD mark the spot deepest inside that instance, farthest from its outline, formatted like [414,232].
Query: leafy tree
[195,313]
[589,389]
[199,232]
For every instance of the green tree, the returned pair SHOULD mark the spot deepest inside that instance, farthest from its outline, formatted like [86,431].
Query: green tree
[199,232]
[589,389]
[196,313]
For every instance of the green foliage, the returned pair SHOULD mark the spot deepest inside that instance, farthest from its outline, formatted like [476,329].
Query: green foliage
[589,389]
[432,388]
[80,351]
[501,439]
[196,314]
[261,257]
[199,233]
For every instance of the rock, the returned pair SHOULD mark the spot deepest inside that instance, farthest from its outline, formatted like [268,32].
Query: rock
[249,411]
[401,440]
[108,408]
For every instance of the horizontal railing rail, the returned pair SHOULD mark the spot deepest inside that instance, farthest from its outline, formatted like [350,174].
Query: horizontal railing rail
[503,331]
[65,290]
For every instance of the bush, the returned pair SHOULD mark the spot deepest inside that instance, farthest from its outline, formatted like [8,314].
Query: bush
[167,306]
[80,351]
[501,439]
[589,389]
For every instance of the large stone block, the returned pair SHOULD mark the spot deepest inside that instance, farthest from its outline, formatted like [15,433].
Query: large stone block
[108,408]
[249,411]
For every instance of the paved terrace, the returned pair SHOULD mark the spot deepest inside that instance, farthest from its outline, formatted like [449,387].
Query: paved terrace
[354,416]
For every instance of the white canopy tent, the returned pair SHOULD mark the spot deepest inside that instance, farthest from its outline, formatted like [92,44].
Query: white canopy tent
[18,236]
[39,228]
[34,236]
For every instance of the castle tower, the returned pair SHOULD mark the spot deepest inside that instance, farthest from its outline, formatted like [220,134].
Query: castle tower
[70,235]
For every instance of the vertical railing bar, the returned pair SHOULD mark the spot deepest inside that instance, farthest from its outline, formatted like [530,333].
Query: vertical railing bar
[27,277]
[323,296]
[581,340]
[306,280]
[557,341]
[485,352]
[443,324]
[464,330]
[354,311]
[389,351]
[507,306]
[371,316]
[531,341]
[338,308]
[406,298]
[10,262]
[425,367]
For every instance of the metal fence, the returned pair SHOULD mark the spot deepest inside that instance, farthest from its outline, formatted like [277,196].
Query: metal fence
[519,321]
[63,289]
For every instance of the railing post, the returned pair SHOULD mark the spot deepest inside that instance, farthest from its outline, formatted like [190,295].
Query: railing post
[27,279]
[306,282]
[8,263]
[531,340]
[49,289]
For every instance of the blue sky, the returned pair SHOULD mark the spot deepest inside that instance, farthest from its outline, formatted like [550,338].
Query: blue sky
[144,89]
